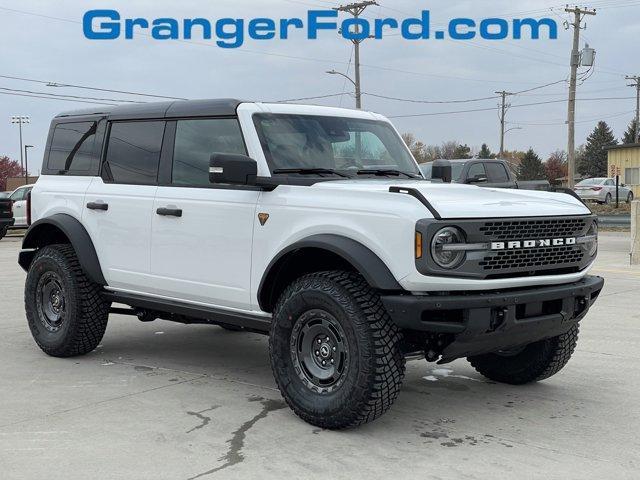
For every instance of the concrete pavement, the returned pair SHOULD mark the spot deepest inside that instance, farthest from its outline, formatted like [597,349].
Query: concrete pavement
[167,401]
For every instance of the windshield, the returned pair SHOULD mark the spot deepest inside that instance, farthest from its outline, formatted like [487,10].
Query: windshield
[347,146]
[590,181]
[456,170]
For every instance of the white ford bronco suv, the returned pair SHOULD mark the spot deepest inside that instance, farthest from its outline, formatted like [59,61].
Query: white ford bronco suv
[312,225]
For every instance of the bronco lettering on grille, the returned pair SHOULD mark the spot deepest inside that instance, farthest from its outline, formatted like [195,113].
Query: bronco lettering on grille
[546,242]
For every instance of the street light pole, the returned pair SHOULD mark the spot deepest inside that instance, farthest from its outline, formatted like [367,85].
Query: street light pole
[26,164]
[20,119]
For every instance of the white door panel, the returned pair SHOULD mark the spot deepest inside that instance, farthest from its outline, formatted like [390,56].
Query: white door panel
[121,234]
[204,255]
[19,213]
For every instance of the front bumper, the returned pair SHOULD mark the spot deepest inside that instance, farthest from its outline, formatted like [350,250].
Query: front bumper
[489,321]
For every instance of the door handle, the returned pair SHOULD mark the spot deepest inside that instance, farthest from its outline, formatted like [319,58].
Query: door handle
[169,212]
[97,206]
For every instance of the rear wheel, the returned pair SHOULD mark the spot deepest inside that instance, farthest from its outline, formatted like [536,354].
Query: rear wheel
[531,363]
[3,232]
[66,312]
[334,350]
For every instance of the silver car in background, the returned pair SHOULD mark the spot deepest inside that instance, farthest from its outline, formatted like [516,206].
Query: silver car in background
[602,190]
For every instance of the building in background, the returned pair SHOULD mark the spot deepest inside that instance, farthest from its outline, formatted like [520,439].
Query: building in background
[15,182]
[625,159]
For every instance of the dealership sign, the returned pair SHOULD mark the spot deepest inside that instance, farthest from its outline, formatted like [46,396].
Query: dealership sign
[232,32]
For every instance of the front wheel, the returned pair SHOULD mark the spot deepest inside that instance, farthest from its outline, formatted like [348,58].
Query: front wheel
[334,350]
[630,197]
[607,199]
[66,312]
[3,232]
[532,363]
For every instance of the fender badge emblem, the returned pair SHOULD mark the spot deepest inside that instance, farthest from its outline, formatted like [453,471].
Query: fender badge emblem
[263,217]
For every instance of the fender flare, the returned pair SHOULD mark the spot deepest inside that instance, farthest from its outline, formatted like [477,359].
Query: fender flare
[367,263]
[78,237]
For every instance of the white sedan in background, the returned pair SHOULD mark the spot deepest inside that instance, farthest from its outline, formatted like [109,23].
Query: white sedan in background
[603,190]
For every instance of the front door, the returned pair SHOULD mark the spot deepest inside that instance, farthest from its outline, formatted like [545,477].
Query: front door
[201,234]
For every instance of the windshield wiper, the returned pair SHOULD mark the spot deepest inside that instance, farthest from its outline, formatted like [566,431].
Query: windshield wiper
[386,172]
[310,171]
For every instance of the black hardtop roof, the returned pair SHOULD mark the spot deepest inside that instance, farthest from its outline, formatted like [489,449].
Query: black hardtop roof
[174,109]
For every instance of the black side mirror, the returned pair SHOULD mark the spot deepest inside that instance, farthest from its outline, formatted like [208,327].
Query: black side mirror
[441,170]
[232,169]
[477,179]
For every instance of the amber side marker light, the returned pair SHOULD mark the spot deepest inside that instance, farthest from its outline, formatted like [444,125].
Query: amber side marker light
[418,245]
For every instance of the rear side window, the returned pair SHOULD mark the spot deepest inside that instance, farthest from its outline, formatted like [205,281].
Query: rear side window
[476,170]
[72,148]
[133,152]
[196,140]
[497,173]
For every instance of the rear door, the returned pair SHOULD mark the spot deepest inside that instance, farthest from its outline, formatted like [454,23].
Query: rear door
[202,234]
[119,203]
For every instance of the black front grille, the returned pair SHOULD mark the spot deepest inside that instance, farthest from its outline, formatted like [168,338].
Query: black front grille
[533,229]
[534,258]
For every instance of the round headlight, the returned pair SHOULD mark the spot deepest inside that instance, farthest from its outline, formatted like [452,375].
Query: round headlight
[444,256]
[592,245]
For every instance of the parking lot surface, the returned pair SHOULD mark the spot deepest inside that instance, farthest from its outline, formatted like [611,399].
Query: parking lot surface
[167,401]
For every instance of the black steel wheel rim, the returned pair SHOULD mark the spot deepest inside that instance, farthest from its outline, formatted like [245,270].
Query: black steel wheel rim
[50,301]
[319,351]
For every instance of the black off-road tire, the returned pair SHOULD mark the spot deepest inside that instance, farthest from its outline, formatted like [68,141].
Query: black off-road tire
[3,232]
[535,362]
[84,312]
[373,364]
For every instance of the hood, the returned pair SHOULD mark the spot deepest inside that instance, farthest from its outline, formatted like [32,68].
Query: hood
[469,201]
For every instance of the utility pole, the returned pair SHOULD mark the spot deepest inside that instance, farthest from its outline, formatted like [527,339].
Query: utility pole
[503,112]
[579,14]
[636,79]
[356,9]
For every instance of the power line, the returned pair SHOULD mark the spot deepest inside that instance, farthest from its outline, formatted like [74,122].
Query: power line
[512,106]
[69,96]
[85,87]
[55,98]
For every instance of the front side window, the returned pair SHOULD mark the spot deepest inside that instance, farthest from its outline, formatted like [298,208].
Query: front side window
[72,147]
[18,194]
[133,152]
[196,141]
[346,145]
[476,170]
[609,183]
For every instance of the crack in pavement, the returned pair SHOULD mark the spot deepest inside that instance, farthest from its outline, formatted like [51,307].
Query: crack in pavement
[236,443]
[205,420]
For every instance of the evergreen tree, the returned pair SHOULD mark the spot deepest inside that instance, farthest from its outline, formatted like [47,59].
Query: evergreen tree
[531,167]
[485,152]
[463,151]
[594,161]
[630,134]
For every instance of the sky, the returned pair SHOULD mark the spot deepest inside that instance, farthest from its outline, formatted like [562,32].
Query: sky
[43,40]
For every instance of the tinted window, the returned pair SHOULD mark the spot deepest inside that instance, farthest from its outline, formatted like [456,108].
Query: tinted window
[609,183]
[476,170]
[133,152]
[72,147]
[497,173]
[196,140]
